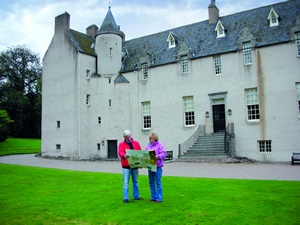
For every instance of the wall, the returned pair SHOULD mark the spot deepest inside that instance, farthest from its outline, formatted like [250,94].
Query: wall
[58,100]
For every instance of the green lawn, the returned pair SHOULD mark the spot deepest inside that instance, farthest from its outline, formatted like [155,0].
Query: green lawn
[20,146]
[30,195]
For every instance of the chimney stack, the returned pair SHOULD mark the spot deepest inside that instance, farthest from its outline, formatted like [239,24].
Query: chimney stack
[213,12]
[92,31]
[62,23]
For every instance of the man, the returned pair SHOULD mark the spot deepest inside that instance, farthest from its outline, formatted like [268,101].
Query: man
[129,143]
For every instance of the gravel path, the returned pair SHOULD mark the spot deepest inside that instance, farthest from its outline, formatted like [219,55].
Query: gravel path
[197,168]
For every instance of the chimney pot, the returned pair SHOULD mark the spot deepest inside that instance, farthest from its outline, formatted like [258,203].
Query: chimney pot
[213,12]
[92,31]
[62,23]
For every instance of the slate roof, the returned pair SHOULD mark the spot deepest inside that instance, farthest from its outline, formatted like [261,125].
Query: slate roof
[82,41]
[121,79]
[202,38]
[109,25]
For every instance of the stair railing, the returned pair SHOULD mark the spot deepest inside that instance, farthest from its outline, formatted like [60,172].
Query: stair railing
[191,140]
[229,140]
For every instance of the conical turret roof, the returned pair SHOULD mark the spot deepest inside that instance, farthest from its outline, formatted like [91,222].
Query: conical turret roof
[109,25]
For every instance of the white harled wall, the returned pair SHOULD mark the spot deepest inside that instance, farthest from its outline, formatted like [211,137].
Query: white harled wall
[274,71]
[59,99]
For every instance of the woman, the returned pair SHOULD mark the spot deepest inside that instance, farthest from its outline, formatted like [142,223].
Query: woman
[155,177]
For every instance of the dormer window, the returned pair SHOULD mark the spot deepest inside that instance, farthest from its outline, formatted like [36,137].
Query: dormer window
[220,29]
[184,64]
[172,39]
[247,53]
[273,18]
[145,71]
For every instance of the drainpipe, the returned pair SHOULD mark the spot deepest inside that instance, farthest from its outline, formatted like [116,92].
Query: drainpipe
[79,101]
[137,97]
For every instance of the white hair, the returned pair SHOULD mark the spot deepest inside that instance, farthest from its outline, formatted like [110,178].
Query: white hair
[126,132]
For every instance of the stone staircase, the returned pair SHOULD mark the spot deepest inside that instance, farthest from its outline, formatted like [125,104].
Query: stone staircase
[210,145]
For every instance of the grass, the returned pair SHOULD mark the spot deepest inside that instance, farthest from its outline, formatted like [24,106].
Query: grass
[20,146]
[30,195]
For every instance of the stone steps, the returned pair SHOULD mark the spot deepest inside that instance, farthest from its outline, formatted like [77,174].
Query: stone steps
[207,146]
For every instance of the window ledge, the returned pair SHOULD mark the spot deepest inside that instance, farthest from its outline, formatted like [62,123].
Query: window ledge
[189,126]
[146,129]
[253,122]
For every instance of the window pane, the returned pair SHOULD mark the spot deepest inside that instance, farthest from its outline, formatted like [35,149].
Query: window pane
[247,53]
[264,146]
[184,63]
[253,112]
[298,91]
[145,71]
[298,43]
[147,121]
[87,101]
[188,104]
[252,96]
[87,74]
[298,97]
[217,60]
[189,118]
[274,19]
[221,31]
[146,112]
[189,111]
[172,41]
[252,104]
[146,109]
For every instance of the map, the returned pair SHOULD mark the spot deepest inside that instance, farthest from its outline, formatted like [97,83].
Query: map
[142,159]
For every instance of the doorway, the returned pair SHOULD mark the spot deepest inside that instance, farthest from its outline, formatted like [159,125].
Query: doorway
[219,118]
[112,149]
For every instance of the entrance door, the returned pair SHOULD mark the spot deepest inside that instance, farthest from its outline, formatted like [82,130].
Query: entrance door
[112,149]
[219,117]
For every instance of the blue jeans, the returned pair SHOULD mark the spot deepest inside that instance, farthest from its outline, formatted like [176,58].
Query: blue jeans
[135,183]
[155,177]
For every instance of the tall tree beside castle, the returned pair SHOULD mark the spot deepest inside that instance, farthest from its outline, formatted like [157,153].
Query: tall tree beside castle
[20,91]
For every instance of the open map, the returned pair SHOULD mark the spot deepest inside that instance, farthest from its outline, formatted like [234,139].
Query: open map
[142,158]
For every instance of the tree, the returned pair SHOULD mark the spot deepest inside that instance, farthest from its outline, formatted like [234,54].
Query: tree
[20,90]
[4,121]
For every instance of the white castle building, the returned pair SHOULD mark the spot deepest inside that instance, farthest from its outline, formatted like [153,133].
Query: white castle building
[238,73]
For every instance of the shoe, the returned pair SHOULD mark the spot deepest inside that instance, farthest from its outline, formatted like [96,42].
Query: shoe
[126,201]
[139,198]
[150,200]
[157,202]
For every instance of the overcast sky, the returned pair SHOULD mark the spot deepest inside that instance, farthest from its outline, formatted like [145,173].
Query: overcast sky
[31,22]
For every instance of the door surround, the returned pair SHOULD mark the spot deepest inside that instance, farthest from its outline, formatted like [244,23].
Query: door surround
[217,98]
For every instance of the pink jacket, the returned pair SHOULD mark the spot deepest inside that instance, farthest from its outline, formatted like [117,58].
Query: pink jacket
[159,151]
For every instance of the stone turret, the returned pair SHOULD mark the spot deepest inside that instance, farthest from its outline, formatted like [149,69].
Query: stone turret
[108,47]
